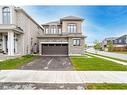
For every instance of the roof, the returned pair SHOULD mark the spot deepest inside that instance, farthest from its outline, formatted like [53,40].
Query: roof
[114,38]
[68,18]
[20,9]
[52,22]
[111,38]
[72,18]
[122,36]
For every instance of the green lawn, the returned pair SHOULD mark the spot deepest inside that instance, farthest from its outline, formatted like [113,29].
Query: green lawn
[15,63]
[106,86]
[109,57]
[95,64]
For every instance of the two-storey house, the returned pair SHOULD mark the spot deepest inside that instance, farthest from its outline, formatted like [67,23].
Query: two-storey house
[18,31]
[104,43]
[119,43]
[62,37]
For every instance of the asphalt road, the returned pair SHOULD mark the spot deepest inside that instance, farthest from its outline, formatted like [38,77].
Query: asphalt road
[41,86]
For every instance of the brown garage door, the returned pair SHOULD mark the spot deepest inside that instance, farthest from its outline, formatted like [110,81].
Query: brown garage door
[54,49]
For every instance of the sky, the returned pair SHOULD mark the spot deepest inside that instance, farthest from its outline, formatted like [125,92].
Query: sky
[100,22]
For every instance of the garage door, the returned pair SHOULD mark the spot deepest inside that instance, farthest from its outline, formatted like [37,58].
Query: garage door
[54,49]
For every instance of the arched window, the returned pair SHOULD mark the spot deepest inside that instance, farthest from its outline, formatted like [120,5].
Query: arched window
[6,15]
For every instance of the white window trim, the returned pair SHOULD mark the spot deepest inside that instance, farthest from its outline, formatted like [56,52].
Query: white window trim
[76,42]
[54,42]
[46,30]
[8,12]
[70,28]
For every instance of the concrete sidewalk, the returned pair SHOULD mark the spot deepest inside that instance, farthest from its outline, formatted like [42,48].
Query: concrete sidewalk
[113,60]
[32,76]
[110,54]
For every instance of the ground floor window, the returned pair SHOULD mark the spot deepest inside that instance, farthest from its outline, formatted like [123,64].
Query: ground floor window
[76,42]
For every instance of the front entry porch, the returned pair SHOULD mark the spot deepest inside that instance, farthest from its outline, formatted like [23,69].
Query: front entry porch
[8,43]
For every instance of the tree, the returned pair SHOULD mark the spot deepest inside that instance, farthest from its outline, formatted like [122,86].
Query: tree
[97,45]
[110,46]
[85,47]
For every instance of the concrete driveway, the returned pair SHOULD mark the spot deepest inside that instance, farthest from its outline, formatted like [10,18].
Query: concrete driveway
[49,63]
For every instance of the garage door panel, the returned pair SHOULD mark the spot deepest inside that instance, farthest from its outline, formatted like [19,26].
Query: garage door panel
[55,49]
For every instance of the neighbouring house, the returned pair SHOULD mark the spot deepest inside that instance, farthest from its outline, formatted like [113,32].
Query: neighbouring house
[119,43]
[18,31]
[62,37]
[105,42]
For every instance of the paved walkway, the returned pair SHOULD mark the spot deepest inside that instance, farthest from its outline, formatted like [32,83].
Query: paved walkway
[120,62]
[32,76]
[110,54]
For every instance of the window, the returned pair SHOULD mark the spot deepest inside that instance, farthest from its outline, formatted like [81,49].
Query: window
[59,31]
[46,30]
[76,42]
[1,40]
[120,41]
[6,15]
[64,44]
[45,44]
[53,29]
[71,28]
[115,41]
[51,44]
[58,44]
[31,41]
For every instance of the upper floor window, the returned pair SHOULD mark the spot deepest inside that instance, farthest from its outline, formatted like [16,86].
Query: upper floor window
[72,28]
[76,42]
[6,15]
[46,30]
[59,30]
[53,29]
